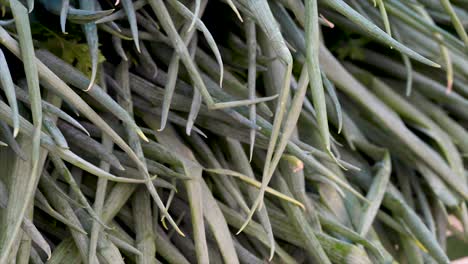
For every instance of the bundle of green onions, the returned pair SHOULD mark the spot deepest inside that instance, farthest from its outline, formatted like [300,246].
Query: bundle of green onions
[234,131]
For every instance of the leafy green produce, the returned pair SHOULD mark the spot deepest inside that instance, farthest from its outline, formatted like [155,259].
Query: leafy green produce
[236,131]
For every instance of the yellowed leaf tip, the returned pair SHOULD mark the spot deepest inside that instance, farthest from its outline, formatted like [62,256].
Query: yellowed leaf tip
[449,86]
[142,135]
[15,132]
[329,23]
